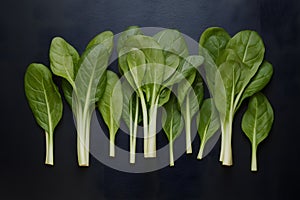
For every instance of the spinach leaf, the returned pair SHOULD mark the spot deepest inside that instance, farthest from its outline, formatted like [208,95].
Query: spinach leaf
[257,123]
[67,90]
[45,102]
[131,115]
[130,31]
[249,47]
[151,85]
[245,52]
[190,105]
[110,107]
[63,58]
[258,82]
[214,39]
[172,123]
[172,41]
[226,83]
[87,78]
[105,38]
[208,123]
[93,65]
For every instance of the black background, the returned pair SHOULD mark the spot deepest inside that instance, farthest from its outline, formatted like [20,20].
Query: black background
[27,28]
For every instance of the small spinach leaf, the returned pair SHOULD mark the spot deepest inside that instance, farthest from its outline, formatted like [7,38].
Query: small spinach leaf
[110,107]
[257,123]
[208,123]
[172,123]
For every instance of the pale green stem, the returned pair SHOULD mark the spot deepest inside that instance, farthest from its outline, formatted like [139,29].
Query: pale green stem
[112,133]
[88,117]
[188,127]
[136,118]
[80,136]
[254,159]
[49,149]
[201,150]
[145,121]
[171,152]
[132,151]
[83,137]
[222,141]
[112,145]
[227,156]
[202,145]
[152,130]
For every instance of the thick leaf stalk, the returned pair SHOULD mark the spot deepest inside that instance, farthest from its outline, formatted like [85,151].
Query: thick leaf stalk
[83,121]
[253,159]
[171,152]
[112,145]
[49,149]
[133,131]
[188,127]
[151,151]
[227,159]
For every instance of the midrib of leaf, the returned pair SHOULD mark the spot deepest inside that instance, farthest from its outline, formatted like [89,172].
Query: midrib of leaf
[48,109]
[205,131]
[89,88]
[254,128]
[111,117]
[171,127]
[246,49]
[68,74]
[64,66]
[232,104]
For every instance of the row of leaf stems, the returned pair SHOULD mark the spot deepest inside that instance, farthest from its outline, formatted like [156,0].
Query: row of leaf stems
[158,72]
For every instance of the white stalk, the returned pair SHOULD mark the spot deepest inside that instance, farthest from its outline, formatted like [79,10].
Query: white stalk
[152,130]
[49,149]
[188,127]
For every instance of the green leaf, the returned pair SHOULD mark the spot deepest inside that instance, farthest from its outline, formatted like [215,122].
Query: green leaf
[155,63]
[195,96]
[245,73]
[184,87]
[210,69]
[186,71]
[130,31]
[214,39]
[63,58]
[226,87]
[172,120]
[172,41]
[93,66]
[258,82]
[43,96]
[257,122]
[111,104]
[190,104]
[136,62]
[249,47]
[105,38]
[172,123]
[45,102]
[129,104]
[67,90]
[164,96]
[208,123]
